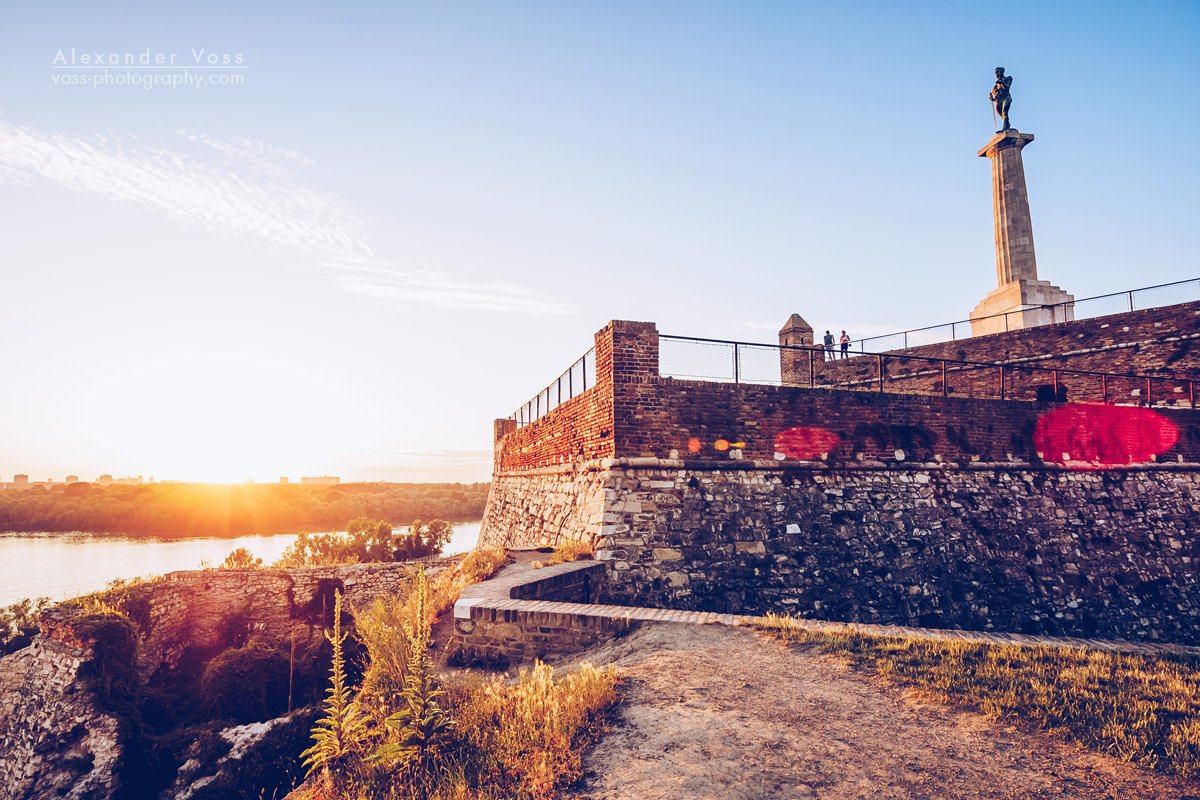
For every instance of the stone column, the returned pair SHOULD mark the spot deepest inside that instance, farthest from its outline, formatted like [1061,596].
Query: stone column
[1015,259]
[1020,299]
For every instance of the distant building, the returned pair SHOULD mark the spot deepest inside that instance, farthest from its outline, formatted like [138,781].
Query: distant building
[105,480]
[72,479]
[283,479]
[20,479]
[323,480]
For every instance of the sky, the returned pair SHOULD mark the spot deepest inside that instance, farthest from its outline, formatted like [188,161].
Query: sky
[372,228]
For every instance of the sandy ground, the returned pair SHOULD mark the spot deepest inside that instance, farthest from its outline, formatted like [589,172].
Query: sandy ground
[717,712]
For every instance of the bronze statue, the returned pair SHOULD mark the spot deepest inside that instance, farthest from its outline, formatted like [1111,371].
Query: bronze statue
[1001,97]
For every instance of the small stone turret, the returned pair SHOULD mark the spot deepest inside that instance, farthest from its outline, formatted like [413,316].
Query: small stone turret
[794,363]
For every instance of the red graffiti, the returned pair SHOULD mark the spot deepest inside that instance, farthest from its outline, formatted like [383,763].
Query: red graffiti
[1087,436]
[805,444]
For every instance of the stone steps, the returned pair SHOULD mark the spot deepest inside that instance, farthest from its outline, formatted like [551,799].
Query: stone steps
[524,613]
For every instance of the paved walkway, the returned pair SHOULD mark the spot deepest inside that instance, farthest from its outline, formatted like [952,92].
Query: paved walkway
[521,579]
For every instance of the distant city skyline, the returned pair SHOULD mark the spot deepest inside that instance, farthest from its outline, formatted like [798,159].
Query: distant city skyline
[341,241]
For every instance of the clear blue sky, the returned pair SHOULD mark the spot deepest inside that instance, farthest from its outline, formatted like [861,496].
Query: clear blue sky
[410,217]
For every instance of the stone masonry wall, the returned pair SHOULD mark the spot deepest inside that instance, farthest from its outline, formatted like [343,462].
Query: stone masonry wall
[991,547]
[542,507]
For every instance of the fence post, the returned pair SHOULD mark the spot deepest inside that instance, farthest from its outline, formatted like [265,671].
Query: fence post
[943,377]
[1002,376]
[584,360]
[1131,301]
[952,337]
[571,382]
[906,340]
[881,373]
[1192,394]
[1056,386]
[735,363]
[812,372]
[1149,400]
[1104,389]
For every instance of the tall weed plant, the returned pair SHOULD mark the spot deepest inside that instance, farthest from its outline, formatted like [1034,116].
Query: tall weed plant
[421,741]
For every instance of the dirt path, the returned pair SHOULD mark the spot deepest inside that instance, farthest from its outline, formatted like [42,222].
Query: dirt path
[718,712]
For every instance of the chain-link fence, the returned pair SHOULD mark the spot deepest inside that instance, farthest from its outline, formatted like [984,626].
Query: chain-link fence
[1165,294]
[572,383]
[713,360]
[741,362]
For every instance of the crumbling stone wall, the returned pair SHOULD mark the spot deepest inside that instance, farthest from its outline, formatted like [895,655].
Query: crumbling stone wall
[196,608]
[54,739]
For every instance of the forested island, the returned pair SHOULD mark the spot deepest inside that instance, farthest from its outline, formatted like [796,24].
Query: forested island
[199,509]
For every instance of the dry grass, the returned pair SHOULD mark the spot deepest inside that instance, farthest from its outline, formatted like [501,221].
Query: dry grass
[569,550]
[528,737]
[1141,709]
[522,740]
[476,566]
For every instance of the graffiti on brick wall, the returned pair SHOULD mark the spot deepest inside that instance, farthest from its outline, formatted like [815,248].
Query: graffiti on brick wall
[806,443]
[1089,436]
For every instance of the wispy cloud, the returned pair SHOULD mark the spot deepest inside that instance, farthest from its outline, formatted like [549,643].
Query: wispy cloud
[253,193]
[275,209]
[377,278]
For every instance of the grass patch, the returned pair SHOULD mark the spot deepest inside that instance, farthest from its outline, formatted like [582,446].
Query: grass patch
[1140,709]
[476,566]
[570,550]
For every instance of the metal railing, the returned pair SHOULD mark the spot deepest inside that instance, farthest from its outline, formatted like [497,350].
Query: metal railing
[575,381]
[726,361]
[1164,294]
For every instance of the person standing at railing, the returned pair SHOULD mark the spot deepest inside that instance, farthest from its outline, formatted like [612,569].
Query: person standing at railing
[828,346]
[845,340]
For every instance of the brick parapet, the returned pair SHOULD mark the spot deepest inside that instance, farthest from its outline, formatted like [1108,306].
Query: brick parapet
[1151,341]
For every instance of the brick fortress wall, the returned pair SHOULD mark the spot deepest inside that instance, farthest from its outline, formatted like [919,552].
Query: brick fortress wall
[767,541]
[1159,342]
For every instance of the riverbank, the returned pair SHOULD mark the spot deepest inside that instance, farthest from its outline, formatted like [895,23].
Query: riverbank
[64,565]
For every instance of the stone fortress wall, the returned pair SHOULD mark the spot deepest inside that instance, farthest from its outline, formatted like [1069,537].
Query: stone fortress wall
[55,740]
[882,507]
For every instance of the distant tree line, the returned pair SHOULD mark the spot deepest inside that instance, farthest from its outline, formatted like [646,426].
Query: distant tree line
[197,509]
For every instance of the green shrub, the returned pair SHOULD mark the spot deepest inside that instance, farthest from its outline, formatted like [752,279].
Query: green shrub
[112,671]
[367,540]
[247,683]
[241,558]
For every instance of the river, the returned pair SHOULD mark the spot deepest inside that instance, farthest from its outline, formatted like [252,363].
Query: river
[64,565]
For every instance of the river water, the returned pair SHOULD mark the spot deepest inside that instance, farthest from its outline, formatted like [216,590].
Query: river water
[64,565]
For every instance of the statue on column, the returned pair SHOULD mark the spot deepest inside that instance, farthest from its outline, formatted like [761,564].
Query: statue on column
[1001,97]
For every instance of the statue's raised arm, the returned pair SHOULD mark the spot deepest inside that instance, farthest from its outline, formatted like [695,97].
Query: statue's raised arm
[1001,97]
